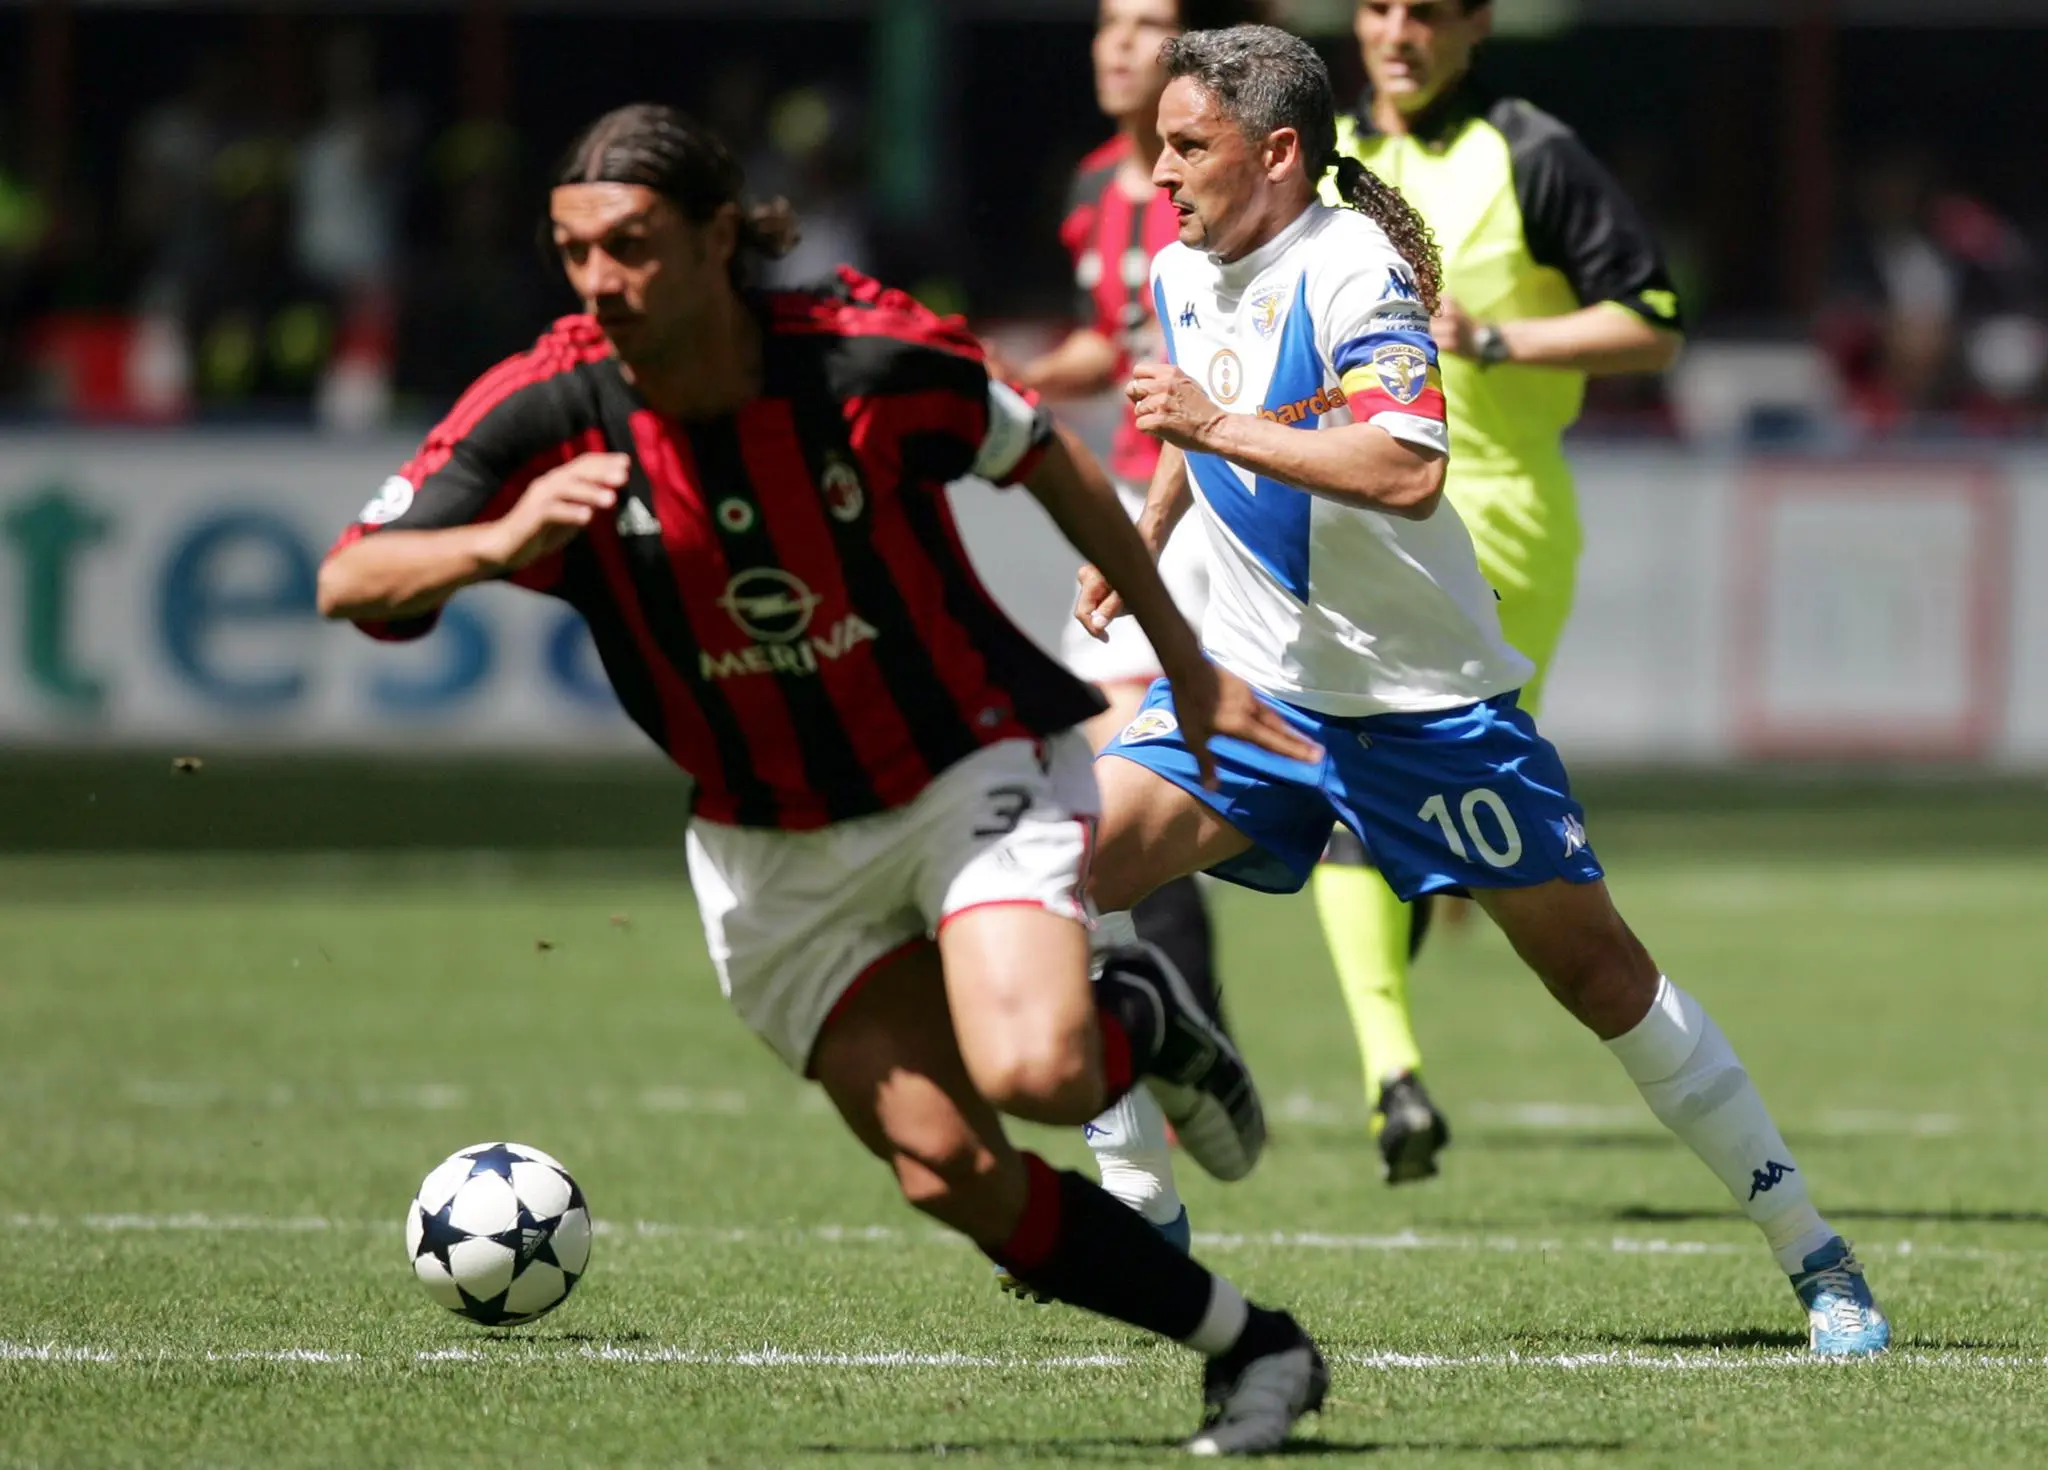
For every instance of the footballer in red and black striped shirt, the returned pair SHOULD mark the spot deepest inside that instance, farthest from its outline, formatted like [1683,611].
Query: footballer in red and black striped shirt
[778,592]
[743,494]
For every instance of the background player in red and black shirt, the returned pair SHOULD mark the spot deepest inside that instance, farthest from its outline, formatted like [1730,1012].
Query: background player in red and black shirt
[743,493]
[1116,221]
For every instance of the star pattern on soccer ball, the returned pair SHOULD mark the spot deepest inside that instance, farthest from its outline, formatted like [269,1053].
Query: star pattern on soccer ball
[438,1235]
[532,1239]
[529,1238]
[497,1159]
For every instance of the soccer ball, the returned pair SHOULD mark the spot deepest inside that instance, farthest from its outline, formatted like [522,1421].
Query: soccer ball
[499,1233]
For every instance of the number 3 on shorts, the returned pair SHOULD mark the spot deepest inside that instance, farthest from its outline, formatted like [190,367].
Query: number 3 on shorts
[1479,799]
[1006,808]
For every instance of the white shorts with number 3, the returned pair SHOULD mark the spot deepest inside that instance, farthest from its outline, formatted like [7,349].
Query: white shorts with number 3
[795,920]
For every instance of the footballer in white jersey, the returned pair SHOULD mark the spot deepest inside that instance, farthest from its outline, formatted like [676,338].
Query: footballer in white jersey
[1336,608]
[1370,628]
[1345,590]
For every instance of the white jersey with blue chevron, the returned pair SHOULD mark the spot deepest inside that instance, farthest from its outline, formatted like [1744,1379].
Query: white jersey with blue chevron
[1341,610]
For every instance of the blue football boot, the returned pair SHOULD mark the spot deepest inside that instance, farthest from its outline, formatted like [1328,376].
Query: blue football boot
[1845,1319]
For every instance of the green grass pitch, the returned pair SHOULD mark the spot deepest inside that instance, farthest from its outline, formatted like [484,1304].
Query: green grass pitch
[221,1078]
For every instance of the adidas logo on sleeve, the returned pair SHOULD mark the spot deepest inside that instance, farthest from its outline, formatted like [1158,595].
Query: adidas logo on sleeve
[635,519]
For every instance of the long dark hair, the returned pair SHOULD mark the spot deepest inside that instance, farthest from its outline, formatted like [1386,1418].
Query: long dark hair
[1264,79]
[664,149]
[1372,196]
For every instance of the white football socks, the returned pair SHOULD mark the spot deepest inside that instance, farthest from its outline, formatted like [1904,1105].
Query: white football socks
[1129,1139]
[1135,1159]
[1695,1084]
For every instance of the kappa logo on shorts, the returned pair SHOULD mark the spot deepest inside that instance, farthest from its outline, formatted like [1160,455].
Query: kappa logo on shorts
[1574,836]
[1152,724]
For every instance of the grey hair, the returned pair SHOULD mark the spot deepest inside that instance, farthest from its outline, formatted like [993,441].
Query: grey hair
[1263,79]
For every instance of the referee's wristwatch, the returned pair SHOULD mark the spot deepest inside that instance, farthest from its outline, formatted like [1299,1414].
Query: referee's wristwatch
[1489,344]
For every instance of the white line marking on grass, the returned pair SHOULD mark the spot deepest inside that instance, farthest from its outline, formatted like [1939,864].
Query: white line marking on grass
[1621,1360]
[769,1357]
[21,1352]
[288,1224]
[1208,1240]
[1302,1109]
[1701,1362]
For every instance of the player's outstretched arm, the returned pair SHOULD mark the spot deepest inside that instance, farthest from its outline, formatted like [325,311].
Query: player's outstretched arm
[1361,465]
[1166,502]
[395,575]
[1208,700]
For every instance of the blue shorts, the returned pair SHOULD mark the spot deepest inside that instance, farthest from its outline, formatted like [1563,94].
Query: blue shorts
[1463,798]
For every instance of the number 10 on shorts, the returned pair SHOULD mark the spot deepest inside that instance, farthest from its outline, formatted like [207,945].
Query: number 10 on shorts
[1475,834]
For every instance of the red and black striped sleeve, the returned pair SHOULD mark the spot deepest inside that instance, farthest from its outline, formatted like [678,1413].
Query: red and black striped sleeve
[917,394]
[519,420]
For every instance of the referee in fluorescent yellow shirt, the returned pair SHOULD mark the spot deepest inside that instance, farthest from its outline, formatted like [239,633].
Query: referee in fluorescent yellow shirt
[1550,275]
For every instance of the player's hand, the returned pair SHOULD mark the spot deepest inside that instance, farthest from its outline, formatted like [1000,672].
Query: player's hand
[558,507]
[1454,329]
[1098,604]
[1171,406]
[1210,701]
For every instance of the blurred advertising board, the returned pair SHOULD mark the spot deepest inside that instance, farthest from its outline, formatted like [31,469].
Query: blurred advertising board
[158,589]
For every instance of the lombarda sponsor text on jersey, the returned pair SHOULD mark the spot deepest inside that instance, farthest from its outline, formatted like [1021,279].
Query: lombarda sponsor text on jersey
[1320,403]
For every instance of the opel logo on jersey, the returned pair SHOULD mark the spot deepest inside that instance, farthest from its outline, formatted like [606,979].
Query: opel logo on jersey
[776,610]
[841,484]
[770,605]
[1226,376]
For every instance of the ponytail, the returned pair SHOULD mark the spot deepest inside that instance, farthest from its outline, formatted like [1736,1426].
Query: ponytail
[1372,196]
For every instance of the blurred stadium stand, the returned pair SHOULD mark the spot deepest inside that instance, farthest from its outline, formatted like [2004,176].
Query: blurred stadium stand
[246,251]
